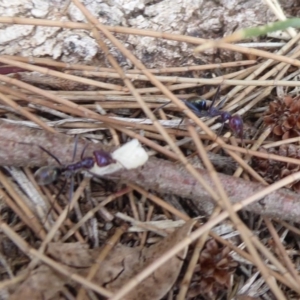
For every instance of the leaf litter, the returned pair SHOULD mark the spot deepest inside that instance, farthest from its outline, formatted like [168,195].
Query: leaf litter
[133,254]
[121,264]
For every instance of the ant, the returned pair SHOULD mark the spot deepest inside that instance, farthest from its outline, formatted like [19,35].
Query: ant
[201,109]
[49,174]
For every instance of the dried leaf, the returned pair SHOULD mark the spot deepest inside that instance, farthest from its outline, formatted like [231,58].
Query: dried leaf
[159,283]
[120,266]
[42,284]
[71,254]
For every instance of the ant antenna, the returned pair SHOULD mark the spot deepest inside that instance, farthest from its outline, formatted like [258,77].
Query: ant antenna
[216,95]
[162,106]
[83,150]
[52,155]
[75,147]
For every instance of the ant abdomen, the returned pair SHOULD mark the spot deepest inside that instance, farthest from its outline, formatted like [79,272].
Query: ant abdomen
[197,106]
[46,175]
[236,125]
[198,103]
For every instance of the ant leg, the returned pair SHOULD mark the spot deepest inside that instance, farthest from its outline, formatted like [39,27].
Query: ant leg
[160,107]
[221,104]
[70,176]
[53,201]
[221,129]
[83,150]
[224,116]
[216,95]
[52,155]
[75,148]
[236,125]
[181,121]
[71,189]
[70,194]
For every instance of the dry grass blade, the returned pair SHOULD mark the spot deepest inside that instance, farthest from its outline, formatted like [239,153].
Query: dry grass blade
[50,62]
[61,218]
[91,213]
[72,74]
[25,113]
[192,264]
[259,70]
[35,224]
[58,74]
[54,265]
[286,259]
[27,220]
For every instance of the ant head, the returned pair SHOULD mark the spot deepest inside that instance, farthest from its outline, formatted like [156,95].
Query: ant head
[46,175]
[103,158]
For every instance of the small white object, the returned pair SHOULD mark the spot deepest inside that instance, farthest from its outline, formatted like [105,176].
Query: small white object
[129,156]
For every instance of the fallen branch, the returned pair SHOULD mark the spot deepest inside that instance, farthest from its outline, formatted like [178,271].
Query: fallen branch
[18,147]
[166,177]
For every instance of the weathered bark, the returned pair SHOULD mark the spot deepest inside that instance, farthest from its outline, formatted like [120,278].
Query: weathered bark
[200,18]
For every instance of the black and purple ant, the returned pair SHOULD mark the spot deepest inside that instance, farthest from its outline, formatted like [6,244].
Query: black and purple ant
[49,174]
[201,109]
